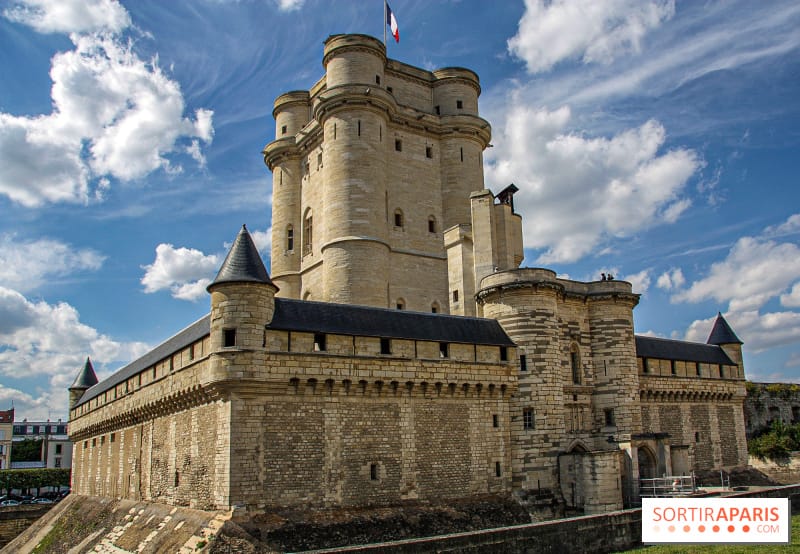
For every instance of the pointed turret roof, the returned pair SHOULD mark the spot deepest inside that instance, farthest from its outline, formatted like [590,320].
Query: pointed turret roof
[722,333]
[243,263]
[86,378]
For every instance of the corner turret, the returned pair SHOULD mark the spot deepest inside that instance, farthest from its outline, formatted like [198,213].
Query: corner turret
[722,335]
[242,298]
[86,378]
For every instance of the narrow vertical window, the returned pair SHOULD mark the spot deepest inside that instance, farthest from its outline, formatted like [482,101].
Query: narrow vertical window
[455,295]
[398,218]
[437,110]
[575,363]
[428,152]
[608,414]
[377,79]
[308,232]
[431,224]
[528,421]
[444,350]
[229,337]
[373,472]
[645,365]
[697,369]
[673,366]
[495,420]
[334,131]
[319,342]
[721,372]
[290,238]
[359,127]
[462,153]
[497,469]
[523,362]
[459,104]
[503,353]
[386,346]
[398,145]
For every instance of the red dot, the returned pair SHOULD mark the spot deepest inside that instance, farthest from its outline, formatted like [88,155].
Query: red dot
[731,528]
[746,528]
[715,528]
[702,528]
[671,528]
[686,528]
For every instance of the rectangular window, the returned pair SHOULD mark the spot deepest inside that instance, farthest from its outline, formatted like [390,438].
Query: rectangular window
[528,419]
[503,354]
[386,346]
[377,79]
[460,104]
[609,417]
[58,449]
[495,420]
[673,366]
[398,219]
[229,337]
[721,372]
[444,350]
[57,462]
[283,130]
[428,152]
[373,472]
[290,239]
[319,342]
[645,365]
[697,369]
[497,469]
[455,295]
[398,145]
[523,363]
[437,110]
[113,437]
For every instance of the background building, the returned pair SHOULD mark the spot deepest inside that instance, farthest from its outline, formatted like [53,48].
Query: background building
[6,433]
[56,448]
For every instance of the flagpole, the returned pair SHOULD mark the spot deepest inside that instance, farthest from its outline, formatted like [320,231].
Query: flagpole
[384,23]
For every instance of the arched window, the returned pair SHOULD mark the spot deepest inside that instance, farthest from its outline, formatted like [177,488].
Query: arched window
[398,218]
[308,232]
[431,224]
[435,307]
[289,238]
[400,304]
[575,364]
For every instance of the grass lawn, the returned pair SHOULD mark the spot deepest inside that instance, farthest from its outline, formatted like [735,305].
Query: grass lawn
[727,548]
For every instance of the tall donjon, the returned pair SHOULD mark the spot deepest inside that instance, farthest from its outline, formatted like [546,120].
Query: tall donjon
[370,167]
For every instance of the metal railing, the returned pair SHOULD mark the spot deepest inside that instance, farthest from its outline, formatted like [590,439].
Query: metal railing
[674,485]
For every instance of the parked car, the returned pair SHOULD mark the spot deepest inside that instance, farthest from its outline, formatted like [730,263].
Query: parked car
[41,500]
[9,502]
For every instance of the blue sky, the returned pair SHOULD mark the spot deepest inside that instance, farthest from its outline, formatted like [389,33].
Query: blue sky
[655,140]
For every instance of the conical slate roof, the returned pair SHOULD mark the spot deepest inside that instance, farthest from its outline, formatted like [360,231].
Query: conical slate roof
[722,333]
[86,378]
[243,263]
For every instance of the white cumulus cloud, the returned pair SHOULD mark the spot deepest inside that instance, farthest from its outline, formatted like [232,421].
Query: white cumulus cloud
[49,340]
[671,279]
[114,115]
[27,264]
[592,31]
[578,191]
[185,272]
[290,5]
[640,281]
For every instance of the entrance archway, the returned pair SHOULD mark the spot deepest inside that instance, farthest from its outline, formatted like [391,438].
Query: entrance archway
[647,463]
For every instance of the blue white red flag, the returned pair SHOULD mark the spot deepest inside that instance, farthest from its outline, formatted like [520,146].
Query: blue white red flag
[391,21]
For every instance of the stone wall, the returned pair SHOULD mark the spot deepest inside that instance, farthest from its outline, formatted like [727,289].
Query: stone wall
[767,402]
[15,519]
[786,472]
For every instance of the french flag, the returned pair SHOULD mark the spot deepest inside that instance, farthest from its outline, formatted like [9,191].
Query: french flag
[391,21]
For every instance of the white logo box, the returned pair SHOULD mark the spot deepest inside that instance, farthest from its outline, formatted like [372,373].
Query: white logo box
[716,520]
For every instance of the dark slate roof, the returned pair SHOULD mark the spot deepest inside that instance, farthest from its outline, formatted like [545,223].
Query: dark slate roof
[339,319]
[86,378]
[184,338]
[345,319]
[667,349]
[722,333]
[243,263]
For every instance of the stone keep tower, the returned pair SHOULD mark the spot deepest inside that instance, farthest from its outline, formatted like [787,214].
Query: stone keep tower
[370,167]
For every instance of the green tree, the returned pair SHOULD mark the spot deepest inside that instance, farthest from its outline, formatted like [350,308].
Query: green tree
[28,450]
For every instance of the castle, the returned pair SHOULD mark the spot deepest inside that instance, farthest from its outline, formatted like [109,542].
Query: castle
[396,351]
